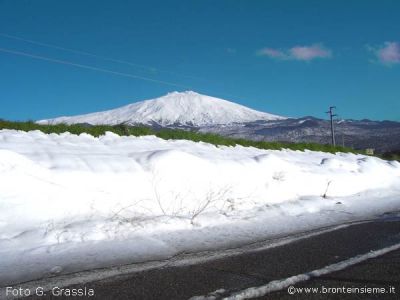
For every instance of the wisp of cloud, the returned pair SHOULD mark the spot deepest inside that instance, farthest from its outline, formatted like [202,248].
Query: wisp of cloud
[303,53]
[389,53]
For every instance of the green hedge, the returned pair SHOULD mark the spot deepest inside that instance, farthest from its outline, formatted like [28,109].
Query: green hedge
[168,134]
[392,155]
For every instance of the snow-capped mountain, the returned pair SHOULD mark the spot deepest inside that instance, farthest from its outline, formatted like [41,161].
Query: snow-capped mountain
[203,113]
[176,108]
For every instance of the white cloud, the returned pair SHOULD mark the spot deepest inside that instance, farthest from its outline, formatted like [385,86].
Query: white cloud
[303,53]
[388,53]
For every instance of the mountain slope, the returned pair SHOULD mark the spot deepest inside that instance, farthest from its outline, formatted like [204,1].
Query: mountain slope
[185,108]
[383,136]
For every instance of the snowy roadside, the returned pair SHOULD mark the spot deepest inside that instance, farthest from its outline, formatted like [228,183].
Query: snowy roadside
[71,203]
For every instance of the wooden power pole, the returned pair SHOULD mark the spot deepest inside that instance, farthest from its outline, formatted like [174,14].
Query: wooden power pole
[331,115]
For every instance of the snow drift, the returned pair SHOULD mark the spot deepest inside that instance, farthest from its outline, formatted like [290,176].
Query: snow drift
[186,108]
[71,202]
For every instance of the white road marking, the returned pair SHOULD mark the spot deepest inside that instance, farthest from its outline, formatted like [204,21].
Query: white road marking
[280,284]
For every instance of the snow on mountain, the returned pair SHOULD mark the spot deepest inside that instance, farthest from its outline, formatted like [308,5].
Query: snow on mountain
[185,108]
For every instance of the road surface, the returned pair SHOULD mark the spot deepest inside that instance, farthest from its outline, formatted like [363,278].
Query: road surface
[233,274]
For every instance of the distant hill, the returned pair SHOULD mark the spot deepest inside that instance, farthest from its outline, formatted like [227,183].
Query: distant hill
[383,136]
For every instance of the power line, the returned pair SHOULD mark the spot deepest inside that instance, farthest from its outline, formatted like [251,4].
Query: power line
[148,68]
[64,62]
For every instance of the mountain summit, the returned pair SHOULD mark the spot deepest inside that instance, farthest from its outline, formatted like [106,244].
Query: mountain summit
[183,108]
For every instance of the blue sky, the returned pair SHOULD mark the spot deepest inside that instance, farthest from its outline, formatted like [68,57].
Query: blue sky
[292,58]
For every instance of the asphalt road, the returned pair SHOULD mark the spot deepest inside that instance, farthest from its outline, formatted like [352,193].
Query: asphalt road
[381,272]
[239,272]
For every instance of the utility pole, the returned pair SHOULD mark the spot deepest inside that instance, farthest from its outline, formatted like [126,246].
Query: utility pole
[331,115]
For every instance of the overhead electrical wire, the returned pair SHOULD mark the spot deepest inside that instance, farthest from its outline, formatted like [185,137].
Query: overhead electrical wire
[88,67]
[120,61]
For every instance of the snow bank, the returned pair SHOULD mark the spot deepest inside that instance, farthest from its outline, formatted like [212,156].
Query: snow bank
[66,199]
